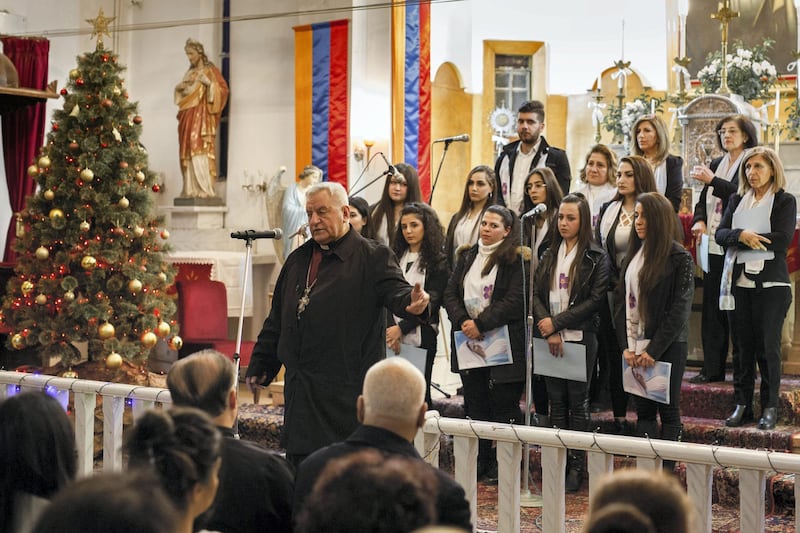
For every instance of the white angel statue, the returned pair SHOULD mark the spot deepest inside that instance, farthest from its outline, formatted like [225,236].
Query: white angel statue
[286,208]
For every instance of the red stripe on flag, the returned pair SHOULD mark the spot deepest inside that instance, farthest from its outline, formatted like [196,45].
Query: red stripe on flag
[424,139]
[338,127]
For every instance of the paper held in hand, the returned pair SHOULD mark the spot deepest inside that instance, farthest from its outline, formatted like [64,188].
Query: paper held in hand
[494,349]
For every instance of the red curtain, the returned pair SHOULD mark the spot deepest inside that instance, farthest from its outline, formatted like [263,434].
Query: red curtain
[23,130]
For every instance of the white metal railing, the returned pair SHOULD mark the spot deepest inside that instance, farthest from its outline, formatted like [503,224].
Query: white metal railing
[116,398]
[700,459]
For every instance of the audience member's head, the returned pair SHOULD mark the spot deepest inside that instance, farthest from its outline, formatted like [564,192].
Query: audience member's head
[637,501]
[207,381]
[393,397]
[111,503]
[182,448]
[37,452]
[366,491]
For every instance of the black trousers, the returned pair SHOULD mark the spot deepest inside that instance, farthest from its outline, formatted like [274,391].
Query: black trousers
[609,356]
[715,329]
[670,414]
[759,319]
[569,400]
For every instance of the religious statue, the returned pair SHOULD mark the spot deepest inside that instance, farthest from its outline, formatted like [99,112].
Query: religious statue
[200,96]
[293,210]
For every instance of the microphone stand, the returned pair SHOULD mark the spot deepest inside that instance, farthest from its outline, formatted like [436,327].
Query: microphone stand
[527,498]
[438,170]
[248,242]
[384,173]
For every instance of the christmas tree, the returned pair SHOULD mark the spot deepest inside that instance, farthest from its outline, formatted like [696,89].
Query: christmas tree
[90,266]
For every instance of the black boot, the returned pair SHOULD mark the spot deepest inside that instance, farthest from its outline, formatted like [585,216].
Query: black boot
[741,415]
[769,417]
[575,470]
[671,432]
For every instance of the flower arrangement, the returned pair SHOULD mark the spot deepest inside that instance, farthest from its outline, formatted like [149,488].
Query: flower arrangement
[750,71]
[620,120]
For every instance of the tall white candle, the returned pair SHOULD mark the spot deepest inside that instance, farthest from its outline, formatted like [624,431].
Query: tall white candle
[622,54]
[652,106]
[600,82]
[777,105]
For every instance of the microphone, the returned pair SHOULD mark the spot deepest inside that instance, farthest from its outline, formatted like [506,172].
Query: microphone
[457,138]
[251,234]
[391,170]
[538,209]
[300,231]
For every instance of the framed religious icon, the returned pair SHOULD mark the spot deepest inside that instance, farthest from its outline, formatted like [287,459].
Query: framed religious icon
[775,19]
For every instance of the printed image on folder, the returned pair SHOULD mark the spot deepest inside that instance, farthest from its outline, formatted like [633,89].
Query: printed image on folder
[494,349]
[651,383]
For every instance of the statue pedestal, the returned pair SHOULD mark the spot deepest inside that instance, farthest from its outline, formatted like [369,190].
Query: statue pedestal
[195,217]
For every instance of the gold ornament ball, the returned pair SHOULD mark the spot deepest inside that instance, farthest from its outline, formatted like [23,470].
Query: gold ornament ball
[49,194]
[116,90]
[175,343]
[27,287]
[74,73]
[149,339]
[87,174]
[69,296]
[134,286]
[56,213]
[33,171]
[140,176]
[113,360]
[163,329]
[105,330]
[88,262]
[138,231]
[44,162]
[41,299]
[42,253]
[70,374]
[85,226]
[164,234]
[124,202]
[18,341]
[162,276]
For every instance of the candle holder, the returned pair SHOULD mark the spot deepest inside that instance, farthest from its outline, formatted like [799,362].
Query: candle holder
[597,113]
[776,128]
[724,15]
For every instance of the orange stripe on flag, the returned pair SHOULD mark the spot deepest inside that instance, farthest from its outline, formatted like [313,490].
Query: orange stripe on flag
[303,79]
[398,78]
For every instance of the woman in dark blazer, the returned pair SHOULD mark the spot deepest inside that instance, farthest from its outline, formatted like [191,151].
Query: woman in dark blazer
[418,247]
[651,141]
[735,134]
[612,233]
[570,285]
[486,292]
[653,303]
[760,217]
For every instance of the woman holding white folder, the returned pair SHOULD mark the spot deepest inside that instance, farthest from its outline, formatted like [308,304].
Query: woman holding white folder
[756,230]
[486,293]
[653,303]
[569,287]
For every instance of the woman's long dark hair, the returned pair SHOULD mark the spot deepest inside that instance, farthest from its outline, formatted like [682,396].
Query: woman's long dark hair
[554,192]
[584,237]
[662,231]
[643,178]
[507,251]
[430,251]
[466,204]
[37,450]
[385,207]
[361,205]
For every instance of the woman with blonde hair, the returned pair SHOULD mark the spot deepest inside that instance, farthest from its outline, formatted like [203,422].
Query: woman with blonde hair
[756,230]
[651,141]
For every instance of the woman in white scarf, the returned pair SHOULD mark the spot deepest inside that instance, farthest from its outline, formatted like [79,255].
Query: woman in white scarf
[598,179]
[735,134]
[756,230]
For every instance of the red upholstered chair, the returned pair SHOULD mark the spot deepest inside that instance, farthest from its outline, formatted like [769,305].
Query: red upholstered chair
[203,319]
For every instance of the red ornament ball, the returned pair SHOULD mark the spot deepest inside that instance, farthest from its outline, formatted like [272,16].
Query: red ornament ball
[63,92]
[104,57]
[156,187]
[74,145]
[103,145]
[79,82]
[123,164]
[137,119]
[55,126]
[106,102]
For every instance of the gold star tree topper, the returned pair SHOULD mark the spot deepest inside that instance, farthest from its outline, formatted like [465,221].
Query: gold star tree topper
[100,26]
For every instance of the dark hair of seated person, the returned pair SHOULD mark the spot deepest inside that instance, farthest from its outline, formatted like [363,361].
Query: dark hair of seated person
[111,503]
[366,491]
[37,451]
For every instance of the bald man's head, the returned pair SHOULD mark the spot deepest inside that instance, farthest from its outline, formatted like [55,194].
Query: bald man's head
[394,390]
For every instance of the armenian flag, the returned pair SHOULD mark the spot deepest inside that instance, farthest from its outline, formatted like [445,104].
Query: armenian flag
[411,87]
[321,98]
